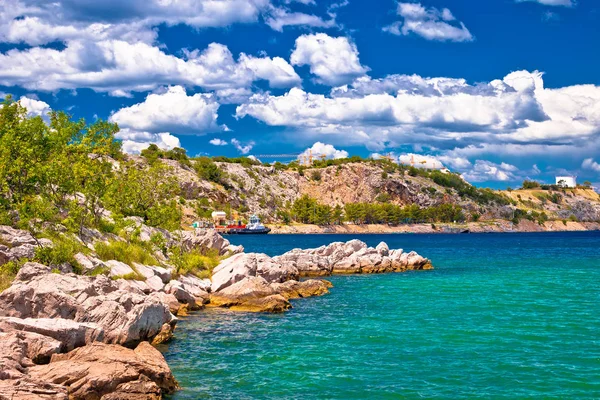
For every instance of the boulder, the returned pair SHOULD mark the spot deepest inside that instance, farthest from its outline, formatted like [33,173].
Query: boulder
[89,264]
[308,288]
[240,266]
[27,389]
[69,333]
[207,239]
[169,300]
[118,268]
[109,372]
[252,294]
[163,273]
[30,270]
[20,350]
[155,283]
[126,317]
[180,293]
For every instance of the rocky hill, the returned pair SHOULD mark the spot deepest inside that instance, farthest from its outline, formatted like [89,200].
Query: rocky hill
[269,191]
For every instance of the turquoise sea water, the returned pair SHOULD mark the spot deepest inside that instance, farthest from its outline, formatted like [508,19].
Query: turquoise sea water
[501,316]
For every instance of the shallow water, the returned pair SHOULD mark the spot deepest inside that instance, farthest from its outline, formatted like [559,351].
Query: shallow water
[501,316]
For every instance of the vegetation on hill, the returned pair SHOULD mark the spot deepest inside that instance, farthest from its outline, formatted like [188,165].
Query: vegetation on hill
[70,173]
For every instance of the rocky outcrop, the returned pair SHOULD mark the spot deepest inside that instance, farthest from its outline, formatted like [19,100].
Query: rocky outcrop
[17,244]
[257,282]
[208,239]
[353,257]
[253,294]
[126,317]
[109,372]
[240,266]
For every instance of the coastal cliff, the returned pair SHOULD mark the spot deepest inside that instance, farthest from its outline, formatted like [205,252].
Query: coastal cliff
[84,328]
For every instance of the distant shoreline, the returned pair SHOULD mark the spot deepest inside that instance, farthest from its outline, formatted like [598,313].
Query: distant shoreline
[498,226]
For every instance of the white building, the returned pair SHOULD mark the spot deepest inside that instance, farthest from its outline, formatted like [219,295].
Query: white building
[566,181]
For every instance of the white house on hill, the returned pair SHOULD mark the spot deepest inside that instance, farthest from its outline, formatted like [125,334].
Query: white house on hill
[566,181]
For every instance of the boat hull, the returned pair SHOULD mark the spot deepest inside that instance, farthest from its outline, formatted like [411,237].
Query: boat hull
[246,231]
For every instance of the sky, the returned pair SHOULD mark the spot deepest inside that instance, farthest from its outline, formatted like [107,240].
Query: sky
[498,90]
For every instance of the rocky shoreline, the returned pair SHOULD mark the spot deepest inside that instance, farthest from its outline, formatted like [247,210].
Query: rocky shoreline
[74,336]
[496,226]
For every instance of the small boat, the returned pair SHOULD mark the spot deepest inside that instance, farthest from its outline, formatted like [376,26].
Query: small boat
[252,228]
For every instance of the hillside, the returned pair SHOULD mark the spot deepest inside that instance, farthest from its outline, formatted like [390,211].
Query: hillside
[272,191]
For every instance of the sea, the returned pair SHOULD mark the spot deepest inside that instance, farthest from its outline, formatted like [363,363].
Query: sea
[502,316]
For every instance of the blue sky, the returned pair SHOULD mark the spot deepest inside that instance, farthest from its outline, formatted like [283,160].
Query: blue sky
[498,90]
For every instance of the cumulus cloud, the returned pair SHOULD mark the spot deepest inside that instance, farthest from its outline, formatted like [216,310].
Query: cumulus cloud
[218,142]
[37,22]
[564,3]
[242,148]
[334,60]
[321,149]
[429,23]
[118,67]
[484,170]
[133,142]
[173,111]
[35,107]
[515,113]
[589,163]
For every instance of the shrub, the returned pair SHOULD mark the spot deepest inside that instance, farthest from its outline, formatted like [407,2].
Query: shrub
[316,175]
[62,251]
[125,252]
[195,262]
[8,272]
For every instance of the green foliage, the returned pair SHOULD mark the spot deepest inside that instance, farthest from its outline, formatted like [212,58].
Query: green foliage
[316,176]
[126,252]
[62,251]
[8,272]
[245,161]
[530,185]
[43,167]
[194,262]
[207,169]
[152,153]
[309,211]
[148,193]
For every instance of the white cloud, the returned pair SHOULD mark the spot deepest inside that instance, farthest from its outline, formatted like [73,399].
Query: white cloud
[119,67]
[515,113]
[431,24]
[589,163]
[484,171]
[277,71]
[333,60]
[218,142]
[136,141]
[278,18]
[242,148]
[35,107]
[321,149]
[172,111]
[420,161]
[565,3]
[37,22]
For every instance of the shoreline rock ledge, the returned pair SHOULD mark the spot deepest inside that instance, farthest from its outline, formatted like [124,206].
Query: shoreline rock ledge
[79,337]
[258,283]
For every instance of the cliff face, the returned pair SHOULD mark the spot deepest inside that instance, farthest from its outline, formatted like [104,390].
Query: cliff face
[261,190]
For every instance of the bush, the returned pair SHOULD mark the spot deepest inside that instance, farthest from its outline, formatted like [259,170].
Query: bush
[195,262]
[125,252]
[530,184]
[316,175]
[63,251]
[8,272]
[207,169]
